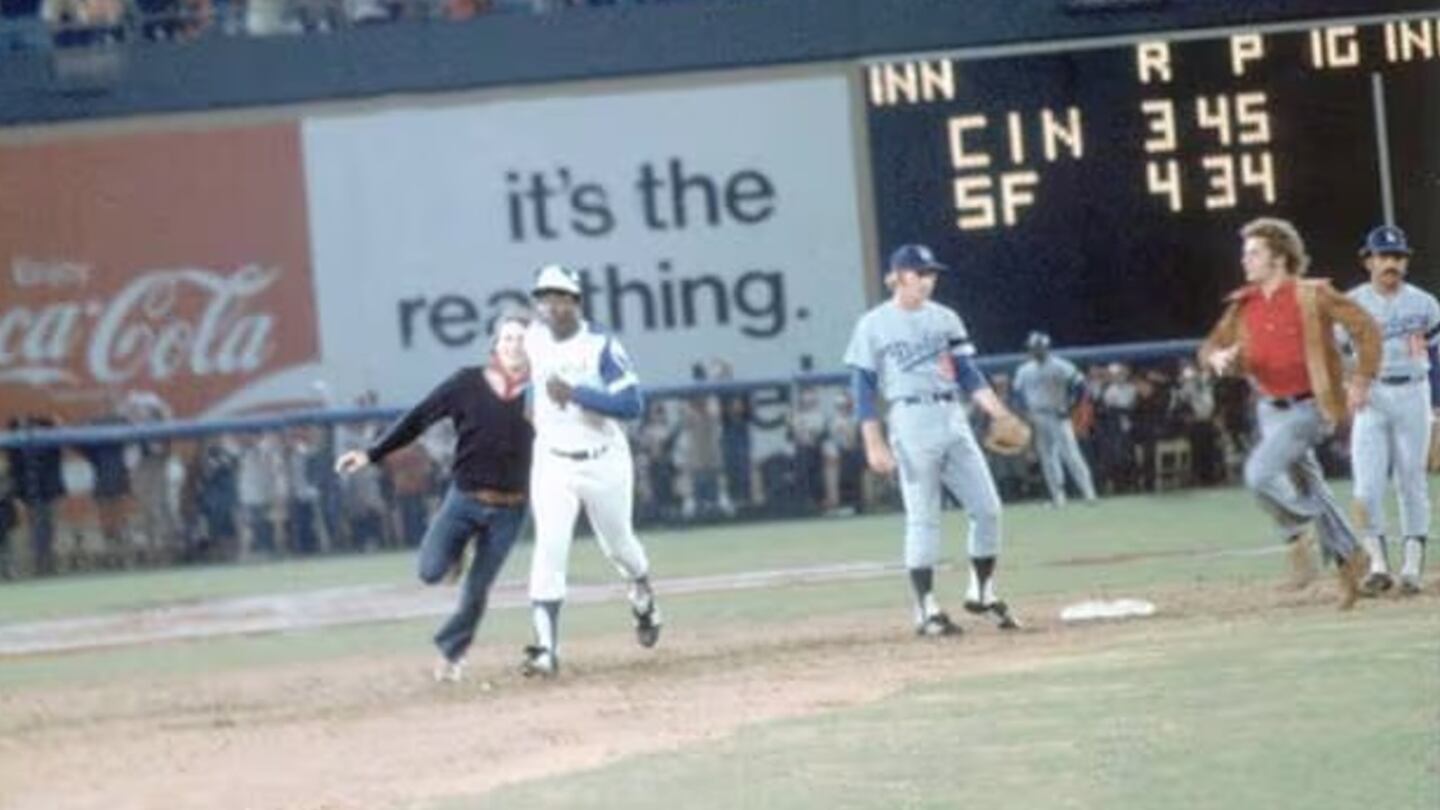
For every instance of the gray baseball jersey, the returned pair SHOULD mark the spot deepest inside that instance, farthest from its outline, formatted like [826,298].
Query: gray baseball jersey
[1391,434]
[1046,385]
[1405,318]
[909,350]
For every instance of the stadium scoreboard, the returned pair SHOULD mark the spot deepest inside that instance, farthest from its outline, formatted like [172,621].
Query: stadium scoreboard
[1094,189]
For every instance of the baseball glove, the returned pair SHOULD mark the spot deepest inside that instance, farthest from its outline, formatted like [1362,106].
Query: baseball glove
[1008,435]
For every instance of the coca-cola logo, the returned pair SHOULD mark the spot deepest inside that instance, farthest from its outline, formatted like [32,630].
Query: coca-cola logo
[161,324]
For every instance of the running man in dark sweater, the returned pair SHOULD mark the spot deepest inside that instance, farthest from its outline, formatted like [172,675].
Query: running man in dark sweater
[486,499]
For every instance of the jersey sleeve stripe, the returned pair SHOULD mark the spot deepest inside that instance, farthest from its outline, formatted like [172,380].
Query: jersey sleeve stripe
[626,380]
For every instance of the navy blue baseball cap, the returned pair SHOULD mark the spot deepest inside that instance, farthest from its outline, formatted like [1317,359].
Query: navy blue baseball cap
[915,257]
[1386,239]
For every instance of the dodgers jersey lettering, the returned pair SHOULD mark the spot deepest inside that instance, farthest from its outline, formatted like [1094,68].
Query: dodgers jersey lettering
[589,358]
[909,350]
[1408,321]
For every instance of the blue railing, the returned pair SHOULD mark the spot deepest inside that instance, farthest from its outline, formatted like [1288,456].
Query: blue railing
[178,429]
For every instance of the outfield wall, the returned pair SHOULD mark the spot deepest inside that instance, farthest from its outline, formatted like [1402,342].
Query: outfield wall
[306,256]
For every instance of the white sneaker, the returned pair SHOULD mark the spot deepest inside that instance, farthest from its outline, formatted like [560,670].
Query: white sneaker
[447,671]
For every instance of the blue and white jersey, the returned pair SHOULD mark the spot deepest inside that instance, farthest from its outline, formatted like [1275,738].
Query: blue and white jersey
[910,350]
[591,359]
[1047,387]
[1410,324]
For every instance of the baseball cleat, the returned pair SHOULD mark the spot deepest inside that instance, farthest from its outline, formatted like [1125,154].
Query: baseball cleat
[936,625]
[997,610]
[1376,582]
[647,626]
[1410,585]
[540,662]
[447,671]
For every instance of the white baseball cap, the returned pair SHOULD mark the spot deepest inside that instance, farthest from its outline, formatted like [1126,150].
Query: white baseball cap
[554,278]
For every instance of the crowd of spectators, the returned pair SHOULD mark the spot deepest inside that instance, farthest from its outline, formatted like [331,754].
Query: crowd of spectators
[40,24]
[729,453]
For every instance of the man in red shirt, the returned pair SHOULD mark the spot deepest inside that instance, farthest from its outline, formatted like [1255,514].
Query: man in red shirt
[1279,329]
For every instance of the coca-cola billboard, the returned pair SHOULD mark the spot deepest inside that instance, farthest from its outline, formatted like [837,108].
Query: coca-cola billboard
[176,263]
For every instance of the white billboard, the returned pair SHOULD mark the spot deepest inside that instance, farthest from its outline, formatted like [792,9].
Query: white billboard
[717,221]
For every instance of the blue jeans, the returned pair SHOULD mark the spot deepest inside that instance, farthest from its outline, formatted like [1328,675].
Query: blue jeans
[459,518]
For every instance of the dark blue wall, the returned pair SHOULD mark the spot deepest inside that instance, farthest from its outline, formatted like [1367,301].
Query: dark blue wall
[509,49]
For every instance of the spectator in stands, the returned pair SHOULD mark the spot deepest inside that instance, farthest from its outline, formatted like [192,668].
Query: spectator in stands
[151,477]
[160,20]
[304,494]
[658,436]
[267,17]
[78,23]
[1195,410]
[411,479]
[1114,445]
[196,16]
[38,485]
[318,16]
[701,461]
[845,468]
[807,434]
[215,472]
[464,9]
[9,518]
[736,414]
[1234,417]
[364,502]
[111,491]
[229,16]
[1150,422]
[261,465]
[21,26]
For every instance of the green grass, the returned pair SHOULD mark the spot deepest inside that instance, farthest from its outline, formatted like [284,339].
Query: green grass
[1039,541]
[1324,711]
[1035,538]
[1300,708]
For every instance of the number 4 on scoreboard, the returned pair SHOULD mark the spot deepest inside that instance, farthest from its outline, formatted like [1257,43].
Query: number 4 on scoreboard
[1225,174]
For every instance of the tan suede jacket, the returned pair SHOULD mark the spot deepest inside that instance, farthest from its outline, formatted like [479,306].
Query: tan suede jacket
[1321,307]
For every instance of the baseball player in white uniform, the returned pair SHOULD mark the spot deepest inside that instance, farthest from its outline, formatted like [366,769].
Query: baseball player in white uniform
[1049,387]
[582,383]
[915,353]
[1391,434]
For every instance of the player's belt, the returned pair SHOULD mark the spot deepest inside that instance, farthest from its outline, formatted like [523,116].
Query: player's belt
[1400,379]
[580,455]
[1284,403]
[925,399]
[497,497]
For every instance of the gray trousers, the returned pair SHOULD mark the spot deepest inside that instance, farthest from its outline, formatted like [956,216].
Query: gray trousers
[1392,435]
[1284,474]
[934,448]
[1059,452]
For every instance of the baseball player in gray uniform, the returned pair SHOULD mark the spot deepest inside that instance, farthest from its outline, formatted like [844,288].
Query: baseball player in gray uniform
[1391,433]
[917,354]
[1049,387]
